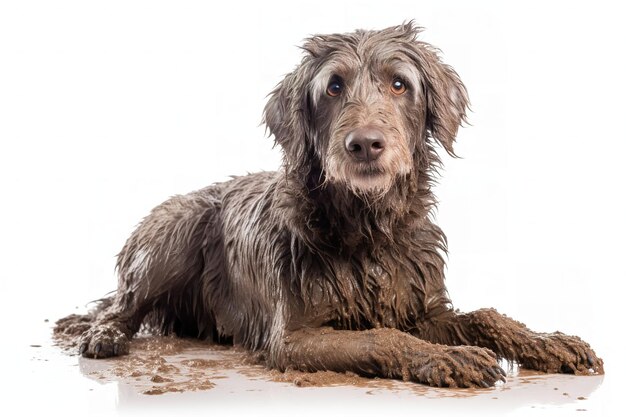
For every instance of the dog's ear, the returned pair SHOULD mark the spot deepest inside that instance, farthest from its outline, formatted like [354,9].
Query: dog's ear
[447,103]
[287,115]
[445,95]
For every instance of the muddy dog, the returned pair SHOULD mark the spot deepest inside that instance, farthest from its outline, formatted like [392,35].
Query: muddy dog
[333,262]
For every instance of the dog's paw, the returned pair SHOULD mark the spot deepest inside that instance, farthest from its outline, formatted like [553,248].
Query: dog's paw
[103,341]
[560,353]
[461,367]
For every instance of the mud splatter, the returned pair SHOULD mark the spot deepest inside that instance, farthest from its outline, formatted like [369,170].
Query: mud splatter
[157,365]
[160,365]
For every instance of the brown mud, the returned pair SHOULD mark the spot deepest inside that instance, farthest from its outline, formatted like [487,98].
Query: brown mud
[159,364]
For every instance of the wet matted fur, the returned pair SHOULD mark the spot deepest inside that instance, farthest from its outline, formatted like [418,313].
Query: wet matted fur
[333,262]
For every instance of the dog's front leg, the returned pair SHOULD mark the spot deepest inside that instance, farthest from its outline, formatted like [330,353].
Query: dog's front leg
[387,353]
[548,352]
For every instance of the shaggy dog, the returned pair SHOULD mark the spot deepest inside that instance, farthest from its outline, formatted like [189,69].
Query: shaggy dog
[333,262]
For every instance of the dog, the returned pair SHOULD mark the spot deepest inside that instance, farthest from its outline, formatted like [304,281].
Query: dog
[333,262]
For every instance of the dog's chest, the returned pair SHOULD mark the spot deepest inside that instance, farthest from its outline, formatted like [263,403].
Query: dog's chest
[366,292]
[389,296]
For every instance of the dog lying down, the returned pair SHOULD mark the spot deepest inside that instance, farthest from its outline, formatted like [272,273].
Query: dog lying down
[333,262]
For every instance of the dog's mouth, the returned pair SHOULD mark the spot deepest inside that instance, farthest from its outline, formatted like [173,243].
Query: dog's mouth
[364,178]
[369,170]
[368,178]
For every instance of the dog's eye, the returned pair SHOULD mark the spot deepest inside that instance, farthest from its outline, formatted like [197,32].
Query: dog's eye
[398,86]
[334,88]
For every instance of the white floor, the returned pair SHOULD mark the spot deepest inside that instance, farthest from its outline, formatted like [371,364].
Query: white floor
[48,381]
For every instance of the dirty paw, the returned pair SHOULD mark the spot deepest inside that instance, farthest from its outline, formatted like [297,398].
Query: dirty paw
[560,353]
[462,367]
[103,341]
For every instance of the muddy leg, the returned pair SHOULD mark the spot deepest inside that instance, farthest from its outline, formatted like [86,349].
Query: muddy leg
[512,340]
[110,332]
[159,268]
[388,353]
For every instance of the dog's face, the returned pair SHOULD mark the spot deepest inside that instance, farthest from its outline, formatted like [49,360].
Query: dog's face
[363,107]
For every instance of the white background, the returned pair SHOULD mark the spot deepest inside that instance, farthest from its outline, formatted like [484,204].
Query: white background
[108,108]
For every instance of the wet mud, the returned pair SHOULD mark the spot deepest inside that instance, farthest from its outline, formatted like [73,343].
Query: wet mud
[157,365]
[160,365]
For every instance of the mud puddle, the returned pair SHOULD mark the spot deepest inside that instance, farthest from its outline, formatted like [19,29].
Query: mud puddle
[159,365]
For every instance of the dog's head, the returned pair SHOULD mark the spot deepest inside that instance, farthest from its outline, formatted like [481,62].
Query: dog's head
[362,108]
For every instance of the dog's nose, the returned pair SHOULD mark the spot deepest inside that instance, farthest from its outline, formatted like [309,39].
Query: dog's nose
[365,144]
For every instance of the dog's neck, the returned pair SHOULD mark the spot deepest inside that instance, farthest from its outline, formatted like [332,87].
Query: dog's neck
[331,215]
